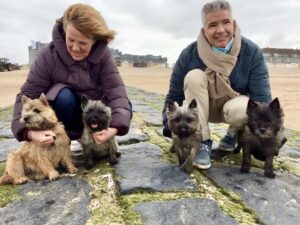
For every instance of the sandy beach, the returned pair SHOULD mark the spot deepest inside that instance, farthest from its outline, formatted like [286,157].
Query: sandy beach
[285,84]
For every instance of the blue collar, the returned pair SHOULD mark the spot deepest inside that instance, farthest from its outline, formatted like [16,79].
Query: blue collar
[223,50]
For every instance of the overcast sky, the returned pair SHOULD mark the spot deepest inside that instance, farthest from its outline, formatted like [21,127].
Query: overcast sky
[158,27]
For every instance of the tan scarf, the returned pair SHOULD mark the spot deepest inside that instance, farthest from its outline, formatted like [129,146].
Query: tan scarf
[219,67]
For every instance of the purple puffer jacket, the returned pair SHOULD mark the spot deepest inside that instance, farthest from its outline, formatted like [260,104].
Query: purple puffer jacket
[96,76]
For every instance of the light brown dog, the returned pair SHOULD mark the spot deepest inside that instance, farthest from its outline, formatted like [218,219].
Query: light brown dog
[31,161]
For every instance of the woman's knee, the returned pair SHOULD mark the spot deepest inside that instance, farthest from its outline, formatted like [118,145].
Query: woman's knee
[66,105]
[65,97]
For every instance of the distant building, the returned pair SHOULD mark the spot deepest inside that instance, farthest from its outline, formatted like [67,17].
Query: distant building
[34,50]
[117,55]
[281,55]
[120,59]
[138,60]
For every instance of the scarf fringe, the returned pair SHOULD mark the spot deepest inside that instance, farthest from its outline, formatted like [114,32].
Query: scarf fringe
[219,102]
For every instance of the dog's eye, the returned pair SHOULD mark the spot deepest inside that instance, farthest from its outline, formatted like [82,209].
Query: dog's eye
[189,119]
[177,120]
[36,110]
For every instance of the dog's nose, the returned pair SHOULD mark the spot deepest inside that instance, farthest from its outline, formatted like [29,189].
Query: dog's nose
[93,120]
[262,130]
[26,118]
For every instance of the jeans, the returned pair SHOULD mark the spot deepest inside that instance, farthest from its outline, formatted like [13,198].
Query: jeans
[68,111]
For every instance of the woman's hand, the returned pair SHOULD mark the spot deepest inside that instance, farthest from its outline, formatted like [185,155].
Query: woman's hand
[43,138]
[103,136]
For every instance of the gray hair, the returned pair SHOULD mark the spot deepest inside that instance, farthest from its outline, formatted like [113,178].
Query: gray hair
[213,6]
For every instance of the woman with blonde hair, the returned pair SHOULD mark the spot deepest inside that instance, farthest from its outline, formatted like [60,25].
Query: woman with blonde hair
[76,62]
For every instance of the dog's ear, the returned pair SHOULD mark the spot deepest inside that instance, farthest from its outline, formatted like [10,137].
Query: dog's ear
[24,99]
[275,105]
[43,100]
[171,106]
[193,104]
[84,101]
[251,104]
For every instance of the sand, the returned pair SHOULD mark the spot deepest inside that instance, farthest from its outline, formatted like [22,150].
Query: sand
[285,84]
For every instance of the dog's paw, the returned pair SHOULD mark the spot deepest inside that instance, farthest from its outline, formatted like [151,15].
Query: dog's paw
[270,174]
[53,175]
[245,169]
[118,154]
[113,161]
[72,169]
[21,180]
[172,149]
[89,164]
[186,169]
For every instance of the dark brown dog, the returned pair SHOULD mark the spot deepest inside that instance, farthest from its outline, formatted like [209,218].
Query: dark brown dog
[96,116]
[260,137]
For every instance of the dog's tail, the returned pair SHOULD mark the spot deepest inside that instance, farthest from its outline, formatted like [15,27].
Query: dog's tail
[6,179]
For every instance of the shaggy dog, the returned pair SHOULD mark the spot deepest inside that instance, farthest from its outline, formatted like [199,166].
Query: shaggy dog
[260,136]
[186,133]
[31,161]
[96,117]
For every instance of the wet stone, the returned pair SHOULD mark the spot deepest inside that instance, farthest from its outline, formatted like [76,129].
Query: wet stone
[141,167]
[142,107]
[193,211]
[49,202]
[275,201]
[289,151]
[5,132]
[153,119]
[8,145]
[134,135]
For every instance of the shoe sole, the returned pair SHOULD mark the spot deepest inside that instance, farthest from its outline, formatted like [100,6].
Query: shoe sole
[223,148]
[202,167]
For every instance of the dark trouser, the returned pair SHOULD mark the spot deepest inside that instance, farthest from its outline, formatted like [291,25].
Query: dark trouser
[68,111]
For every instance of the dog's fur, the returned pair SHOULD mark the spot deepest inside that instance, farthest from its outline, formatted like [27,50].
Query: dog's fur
[32,161]
[96,116]
[186,133]
[260,136]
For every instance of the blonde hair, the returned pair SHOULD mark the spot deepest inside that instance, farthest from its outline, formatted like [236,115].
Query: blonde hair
[88,21]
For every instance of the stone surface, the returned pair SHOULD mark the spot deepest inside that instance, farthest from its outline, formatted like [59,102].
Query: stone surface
[6,146]
[142,107]
[5,132]
[57,202]
[134,135]
[141,167]
[153,119]
[275,201]
[193,211]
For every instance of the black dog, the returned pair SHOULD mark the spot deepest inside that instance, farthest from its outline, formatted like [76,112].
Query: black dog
[259,137]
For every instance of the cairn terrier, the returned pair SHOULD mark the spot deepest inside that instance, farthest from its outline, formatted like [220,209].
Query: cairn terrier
[96,116]
[186,133]
[32,161]
[261,135]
